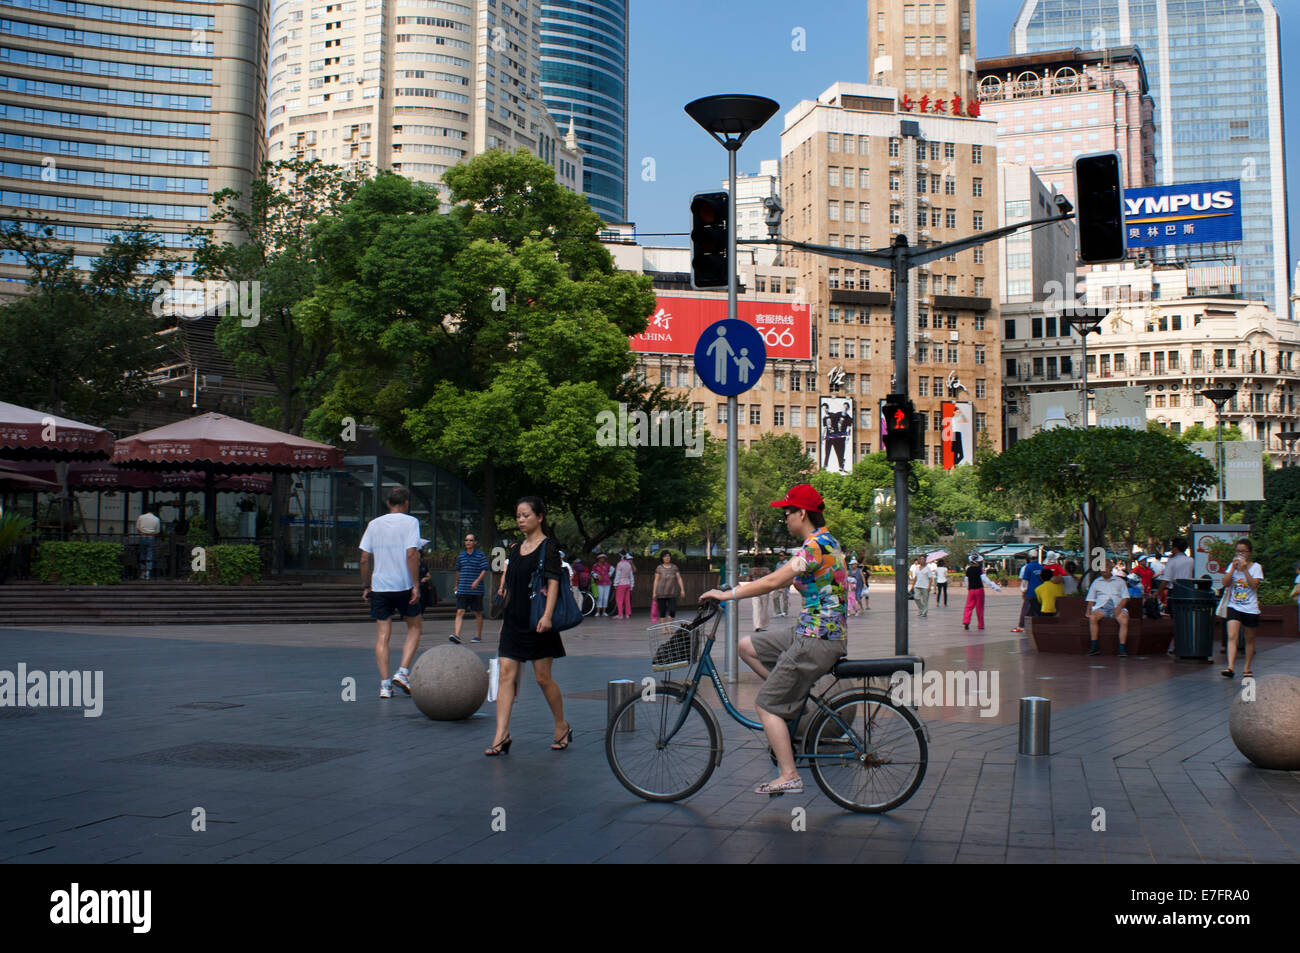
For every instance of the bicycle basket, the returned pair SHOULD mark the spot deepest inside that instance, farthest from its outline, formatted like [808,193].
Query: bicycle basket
[672,645]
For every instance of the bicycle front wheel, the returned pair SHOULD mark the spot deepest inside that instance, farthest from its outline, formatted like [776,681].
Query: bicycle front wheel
[878,762]
[649,763]
[586,602]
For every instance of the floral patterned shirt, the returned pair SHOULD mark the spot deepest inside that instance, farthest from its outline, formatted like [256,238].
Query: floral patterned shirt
[821,573]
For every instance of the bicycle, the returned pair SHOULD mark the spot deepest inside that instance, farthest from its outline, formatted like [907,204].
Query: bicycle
[585,600]
[867,752]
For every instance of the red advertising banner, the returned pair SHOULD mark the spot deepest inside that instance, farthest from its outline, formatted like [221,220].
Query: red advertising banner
[958,434]
[678,322]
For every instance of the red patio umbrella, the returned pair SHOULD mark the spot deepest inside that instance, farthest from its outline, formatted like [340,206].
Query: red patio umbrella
[16,480]
[217,445]
[103,475]
[27,434]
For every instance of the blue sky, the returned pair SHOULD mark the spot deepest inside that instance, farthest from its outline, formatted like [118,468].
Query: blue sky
[683,50]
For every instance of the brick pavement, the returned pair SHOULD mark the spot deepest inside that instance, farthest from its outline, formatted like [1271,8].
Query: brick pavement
[288,771]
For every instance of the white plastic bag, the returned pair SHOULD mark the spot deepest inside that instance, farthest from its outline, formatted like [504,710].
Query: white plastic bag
[494,678]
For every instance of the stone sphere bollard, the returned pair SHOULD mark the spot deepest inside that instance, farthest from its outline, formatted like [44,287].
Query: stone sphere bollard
[449,682]
[1267,729]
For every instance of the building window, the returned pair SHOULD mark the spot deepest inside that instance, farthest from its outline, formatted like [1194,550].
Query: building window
[979,322]
[1008,329]
[796,380]
[949,186]
[981,422]
[979,354]
[1010,372]
[778,380]
[755,415]
[796,416]
[977,187]
[922,383]
[977,221]
[834,347]
[952,354]
[977,155]
[893,150]
[778,417]
[979,287]
[722,413]
[981,388]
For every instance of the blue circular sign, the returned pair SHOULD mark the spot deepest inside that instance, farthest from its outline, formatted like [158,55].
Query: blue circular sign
[730,357]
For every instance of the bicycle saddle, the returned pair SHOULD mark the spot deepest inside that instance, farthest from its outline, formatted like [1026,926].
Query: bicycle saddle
[876,667]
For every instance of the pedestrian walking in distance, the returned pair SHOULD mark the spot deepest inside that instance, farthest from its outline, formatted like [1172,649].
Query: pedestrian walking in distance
[762,605]
[624,580]
[941,582]
[521,642]
[668,587]
[602,574]
[471,570]
[1242,581]
[390,576]
[976,580]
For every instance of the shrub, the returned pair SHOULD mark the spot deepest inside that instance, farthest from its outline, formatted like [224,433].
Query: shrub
[79,563]
[227,565]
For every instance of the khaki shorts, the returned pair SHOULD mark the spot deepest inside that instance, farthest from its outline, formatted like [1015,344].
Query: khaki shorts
[795,662]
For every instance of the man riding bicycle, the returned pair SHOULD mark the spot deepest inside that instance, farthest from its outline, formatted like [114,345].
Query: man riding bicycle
[791,662]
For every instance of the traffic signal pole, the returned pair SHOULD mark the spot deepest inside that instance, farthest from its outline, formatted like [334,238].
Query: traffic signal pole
[732,660]
[900,259]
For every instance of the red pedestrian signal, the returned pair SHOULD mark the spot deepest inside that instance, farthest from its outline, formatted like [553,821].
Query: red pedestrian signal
[710,227]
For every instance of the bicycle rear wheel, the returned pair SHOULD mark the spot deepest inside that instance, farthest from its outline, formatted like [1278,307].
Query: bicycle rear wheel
[586,602]
[650,766]
[878,763]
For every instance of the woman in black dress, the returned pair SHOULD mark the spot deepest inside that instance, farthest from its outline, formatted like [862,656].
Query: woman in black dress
[521,642]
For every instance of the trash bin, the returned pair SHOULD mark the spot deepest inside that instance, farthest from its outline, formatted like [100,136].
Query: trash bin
[1192,605]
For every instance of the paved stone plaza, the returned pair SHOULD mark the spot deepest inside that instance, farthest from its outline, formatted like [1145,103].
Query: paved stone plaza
[248,723]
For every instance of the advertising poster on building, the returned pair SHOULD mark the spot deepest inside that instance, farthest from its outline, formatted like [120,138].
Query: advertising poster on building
[958,434]
[677,322]
[1111,407]
[1054,408]
[1119,407]
[1243,469]
[1183,214]
[836,428]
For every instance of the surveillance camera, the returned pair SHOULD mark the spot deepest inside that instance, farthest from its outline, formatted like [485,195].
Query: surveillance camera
[1063,204]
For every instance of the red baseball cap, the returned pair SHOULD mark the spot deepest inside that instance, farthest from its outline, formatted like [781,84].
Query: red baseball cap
[803,497]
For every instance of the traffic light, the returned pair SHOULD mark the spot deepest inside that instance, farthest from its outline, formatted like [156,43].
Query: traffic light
[710,223]
[1099,195]
[899,429]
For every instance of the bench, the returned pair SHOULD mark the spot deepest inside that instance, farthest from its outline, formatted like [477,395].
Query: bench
[1067,632]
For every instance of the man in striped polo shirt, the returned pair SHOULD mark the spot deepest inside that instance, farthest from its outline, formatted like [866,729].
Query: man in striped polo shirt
[471,569]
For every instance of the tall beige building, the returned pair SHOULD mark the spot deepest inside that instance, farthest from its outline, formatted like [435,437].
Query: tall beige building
[924,49]
[412,86]
[132,112]
[852,180]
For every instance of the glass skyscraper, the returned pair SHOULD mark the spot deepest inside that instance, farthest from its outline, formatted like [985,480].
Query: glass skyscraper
[584,81]
[1216,78]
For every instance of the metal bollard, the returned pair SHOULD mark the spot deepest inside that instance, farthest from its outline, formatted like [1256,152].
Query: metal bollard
[618,692]
[1035,725]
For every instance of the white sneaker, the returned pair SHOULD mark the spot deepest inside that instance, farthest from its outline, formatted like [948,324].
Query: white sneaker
[401,682]
[385,691]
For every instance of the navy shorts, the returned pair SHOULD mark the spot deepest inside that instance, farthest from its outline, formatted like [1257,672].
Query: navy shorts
[1249,619]
[385,605]
[469,602]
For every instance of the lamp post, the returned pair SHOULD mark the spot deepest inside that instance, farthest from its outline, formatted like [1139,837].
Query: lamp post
[1289,437]
[1219,396]
[730,119]
[1085,321]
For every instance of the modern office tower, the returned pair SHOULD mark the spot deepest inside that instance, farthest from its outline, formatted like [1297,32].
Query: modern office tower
[584,52]
[1051,107]
[851,179]
[923,49]
[414,86]
[1216,79]
[133,112]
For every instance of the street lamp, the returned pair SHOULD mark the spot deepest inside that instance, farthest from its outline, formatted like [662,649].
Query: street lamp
[730,119]
[1289,437]
[1219,396]
[1085,321]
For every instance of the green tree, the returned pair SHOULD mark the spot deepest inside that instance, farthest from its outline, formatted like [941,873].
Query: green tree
[766,471]
[268,241]
[82,345]
[491,338]
[1051,475]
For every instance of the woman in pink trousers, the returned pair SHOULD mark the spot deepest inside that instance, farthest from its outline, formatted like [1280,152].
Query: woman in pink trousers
[624,580]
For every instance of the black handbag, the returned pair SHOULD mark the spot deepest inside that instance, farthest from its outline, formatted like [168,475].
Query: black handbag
[566,613]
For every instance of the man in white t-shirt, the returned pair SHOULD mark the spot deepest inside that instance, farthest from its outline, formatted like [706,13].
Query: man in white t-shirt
[390,572]
[1105,600]
[148,526]
[924,579]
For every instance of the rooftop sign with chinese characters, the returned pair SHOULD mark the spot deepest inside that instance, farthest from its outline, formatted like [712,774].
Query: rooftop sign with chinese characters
[1183,214]
[955,106]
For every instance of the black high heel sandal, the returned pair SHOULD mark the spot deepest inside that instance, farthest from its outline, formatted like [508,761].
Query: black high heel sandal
[562,742]
[501,747]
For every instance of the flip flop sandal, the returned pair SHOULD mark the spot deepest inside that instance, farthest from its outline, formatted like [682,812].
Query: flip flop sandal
[777,788]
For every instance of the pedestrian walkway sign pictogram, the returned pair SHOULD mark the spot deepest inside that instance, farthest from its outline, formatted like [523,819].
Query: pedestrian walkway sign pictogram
[730,357]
